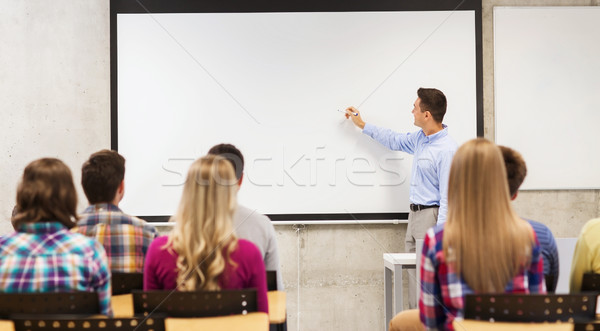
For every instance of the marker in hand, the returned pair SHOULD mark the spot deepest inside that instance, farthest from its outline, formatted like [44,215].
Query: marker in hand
[356,118]
[341,111]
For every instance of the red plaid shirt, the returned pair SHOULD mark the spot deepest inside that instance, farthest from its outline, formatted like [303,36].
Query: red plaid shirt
[443,291]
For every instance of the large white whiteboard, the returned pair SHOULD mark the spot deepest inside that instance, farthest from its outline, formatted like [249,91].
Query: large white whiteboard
[547,88]
[270,83]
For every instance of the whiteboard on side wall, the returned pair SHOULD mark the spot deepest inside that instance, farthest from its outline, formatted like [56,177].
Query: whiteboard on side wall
[547,83]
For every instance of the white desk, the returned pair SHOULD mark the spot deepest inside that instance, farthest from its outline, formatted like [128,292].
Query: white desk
[393,264]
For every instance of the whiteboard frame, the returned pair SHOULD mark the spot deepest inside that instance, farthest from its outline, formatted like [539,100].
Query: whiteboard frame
[239,6]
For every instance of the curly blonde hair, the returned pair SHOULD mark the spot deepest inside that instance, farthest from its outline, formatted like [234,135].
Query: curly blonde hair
[203,234]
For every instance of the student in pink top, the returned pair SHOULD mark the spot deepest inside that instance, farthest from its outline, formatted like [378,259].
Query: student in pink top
[202,251]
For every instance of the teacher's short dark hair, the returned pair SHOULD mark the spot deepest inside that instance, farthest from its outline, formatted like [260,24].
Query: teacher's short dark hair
[101,176]
[232,154]
[46,193]
[434,101]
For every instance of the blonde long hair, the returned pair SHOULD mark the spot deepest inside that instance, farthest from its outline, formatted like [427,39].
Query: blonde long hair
[484,238]
[203,233]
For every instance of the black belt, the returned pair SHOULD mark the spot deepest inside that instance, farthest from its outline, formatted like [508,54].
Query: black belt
[414,207]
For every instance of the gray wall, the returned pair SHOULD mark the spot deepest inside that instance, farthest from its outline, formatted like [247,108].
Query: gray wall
[54,99]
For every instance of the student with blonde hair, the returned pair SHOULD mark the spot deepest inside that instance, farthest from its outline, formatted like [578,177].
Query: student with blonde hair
[43,255]
[202,251]
[484,247]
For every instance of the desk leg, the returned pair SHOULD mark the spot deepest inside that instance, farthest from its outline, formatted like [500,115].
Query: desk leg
[398,286]
[388,296]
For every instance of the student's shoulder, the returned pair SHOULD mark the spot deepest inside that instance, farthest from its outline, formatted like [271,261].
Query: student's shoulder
[245,214]
[160,241]
[247,249]
[592,225]
[540,228]
[136,221]
[79,243]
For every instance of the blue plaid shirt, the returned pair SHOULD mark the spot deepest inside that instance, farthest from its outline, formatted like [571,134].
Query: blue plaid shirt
[47,257]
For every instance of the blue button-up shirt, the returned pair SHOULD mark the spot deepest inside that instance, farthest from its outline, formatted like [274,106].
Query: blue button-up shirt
[431,164]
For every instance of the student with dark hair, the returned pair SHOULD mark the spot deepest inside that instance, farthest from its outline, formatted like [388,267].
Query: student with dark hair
[125,238]
[433,149]
[250,224]
[43,255]
[516,170]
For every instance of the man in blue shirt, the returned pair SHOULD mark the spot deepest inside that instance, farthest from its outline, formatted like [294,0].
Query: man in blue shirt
[433,150]
[516,170]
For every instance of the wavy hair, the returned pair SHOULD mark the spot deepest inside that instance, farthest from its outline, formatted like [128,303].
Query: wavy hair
[484,239]
[203,234]
[46,193]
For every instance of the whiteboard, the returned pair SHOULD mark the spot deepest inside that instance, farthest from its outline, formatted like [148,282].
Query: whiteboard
[270,83]
[547,82]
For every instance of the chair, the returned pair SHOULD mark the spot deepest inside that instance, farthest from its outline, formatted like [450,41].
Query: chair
[531,307]
[550,286]
[271,280]
[471,325]
[587,327]
[277,310]
[64,303]
[590,282]
[34,323]
[194,304]
[124,283]
[249,322]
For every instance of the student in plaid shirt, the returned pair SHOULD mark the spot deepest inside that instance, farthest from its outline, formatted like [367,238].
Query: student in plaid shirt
[484,247]
[125,238]
[42,255]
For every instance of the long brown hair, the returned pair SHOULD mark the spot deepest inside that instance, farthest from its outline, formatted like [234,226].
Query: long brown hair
[46,193]
[483,237]
[203,234]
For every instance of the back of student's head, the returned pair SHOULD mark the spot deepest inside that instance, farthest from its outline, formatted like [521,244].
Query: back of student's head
[46,193]
[483,236]
[232,154]
[434,101]
[101,176]
[516,169]
[203,233]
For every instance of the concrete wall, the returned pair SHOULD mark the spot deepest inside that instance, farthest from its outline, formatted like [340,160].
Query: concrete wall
[54,100]
[54,87]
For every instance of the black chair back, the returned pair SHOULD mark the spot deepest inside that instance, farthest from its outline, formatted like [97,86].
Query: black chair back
[195,304]
[124,283]
[271,280]
[586,327]
[531,307]
[34,323]
[590,282]
[65,303]
[550,285]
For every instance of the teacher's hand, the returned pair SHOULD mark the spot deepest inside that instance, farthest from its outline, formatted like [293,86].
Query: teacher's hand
[353,114]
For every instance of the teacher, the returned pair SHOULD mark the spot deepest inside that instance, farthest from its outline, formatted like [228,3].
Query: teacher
[433,150]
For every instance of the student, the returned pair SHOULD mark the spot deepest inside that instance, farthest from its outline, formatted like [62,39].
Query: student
[516,170]
[586,257]
[202,251]
[125,238]
[248,223]
[433,149]
[484,247]
[42,255]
